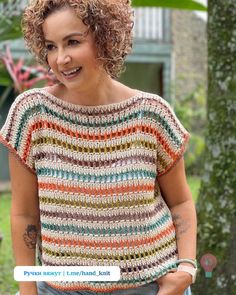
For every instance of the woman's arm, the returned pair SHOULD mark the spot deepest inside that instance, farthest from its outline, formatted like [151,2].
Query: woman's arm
[24,218]
[177,195]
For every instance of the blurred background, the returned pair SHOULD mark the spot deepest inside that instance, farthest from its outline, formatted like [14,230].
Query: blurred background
[191,63]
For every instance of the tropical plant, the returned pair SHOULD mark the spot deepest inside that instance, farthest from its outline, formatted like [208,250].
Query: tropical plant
[24,77]
[20,76]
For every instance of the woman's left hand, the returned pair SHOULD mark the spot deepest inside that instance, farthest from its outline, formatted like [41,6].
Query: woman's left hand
[174,283]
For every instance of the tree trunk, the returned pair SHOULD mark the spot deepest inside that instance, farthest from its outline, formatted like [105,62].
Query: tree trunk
[217,200]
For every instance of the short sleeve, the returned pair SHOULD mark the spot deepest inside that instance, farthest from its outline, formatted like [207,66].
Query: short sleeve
[172,138]
[16,133]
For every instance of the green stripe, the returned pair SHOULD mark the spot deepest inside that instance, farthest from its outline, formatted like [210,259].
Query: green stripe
[140,114]
[93,205]
[121,230]
[24,122]
[61,174]
[81,149]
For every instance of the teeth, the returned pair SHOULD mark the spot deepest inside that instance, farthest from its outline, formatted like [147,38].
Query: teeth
[71,72]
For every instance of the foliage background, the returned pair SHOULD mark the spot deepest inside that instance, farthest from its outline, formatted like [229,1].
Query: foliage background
[191,111]
[9,30]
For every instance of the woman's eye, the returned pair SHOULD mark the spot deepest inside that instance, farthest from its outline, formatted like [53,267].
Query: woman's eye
[50,47]
[73,42]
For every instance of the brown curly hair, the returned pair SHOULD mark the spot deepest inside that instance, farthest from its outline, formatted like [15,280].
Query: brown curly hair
[110,21]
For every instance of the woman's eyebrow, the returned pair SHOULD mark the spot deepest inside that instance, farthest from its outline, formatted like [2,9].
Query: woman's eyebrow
[69,36]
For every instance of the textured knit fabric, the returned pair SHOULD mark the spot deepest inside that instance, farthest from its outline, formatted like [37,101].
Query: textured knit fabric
[97,170]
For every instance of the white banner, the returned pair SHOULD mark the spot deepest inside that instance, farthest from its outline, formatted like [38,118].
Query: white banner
[67,273]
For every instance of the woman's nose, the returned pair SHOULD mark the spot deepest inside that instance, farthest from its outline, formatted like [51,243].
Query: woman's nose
[63,58]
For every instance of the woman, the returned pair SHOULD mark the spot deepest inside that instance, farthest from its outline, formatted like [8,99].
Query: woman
[96,167]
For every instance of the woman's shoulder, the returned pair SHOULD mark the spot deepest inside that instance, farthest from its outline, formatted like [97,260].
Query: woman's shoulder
[28,97]
[28,103]
[155,101]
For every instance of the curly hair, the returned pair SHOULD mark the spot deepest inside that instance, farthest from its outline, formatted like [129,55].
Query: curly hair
[110,21]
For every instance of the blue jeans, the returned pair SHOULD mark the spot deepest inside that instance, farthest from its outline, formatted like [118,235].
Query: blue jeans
[148,289]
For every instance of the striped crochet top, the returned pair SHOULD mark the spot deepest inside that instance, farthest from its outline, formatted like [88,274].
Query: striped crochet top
[97,169]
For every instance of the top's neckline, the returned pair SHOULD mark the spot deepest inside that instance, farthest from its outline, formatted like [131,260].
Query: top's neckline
[110,106]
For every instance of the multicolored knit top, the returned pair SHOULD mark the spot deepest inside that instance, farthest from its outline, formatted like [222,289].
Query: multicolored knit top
[97,170]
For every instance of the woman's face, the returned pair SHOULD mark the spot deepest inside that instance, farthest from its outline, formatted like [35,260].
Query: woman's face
[71,51]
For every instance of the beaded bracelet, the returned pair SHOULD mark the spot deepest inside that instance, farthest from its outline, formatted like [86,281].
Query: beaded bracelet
[191,261]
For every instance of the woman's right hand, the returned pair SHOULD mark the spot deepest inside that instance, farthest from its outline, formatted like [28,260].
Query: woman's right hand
[174,283]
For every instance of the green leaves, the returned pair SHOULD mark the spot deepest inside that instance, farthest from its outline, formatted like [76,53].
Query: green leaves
[10,19]
[178,4]
[10,28]
[5,78]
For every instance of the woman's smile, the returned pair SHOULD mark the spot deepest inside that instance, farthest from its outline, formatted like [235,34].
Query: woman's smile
[70,74]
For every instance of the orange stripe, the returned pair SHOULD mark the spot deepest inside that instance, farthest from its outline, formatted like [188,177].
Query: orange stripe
[95,192]
[115,244]
[54,126]
[148,129]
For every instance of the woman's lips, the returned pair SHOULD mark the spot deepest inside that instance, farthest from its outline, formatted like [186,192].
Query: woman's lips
[71,73]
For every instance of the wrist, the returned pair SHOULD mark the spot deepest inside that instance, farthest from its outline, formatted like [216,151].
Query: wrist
[185,276]
[189,270]
[188,266]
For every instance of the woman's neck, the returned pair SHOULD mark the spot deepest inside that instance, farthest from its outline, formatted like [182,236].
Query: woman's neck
[109,91]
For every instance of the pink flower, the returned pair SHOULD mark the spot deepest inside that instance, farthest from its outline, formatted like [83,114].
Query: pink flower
[24,77]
